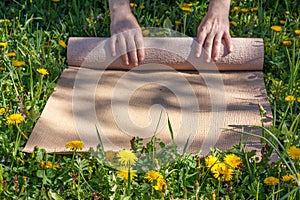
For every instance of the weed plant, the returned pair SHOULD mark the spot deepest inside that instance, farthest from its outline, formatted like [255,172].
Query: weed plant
[33,37]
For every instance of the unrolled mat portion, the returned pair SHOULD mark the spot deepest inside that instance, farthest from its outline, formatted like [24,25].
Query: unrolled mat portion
[121,104]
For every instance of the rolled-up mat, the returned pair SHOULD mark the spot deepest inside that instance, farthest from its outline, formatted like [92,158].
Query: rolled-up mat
[97,96]
[176,52]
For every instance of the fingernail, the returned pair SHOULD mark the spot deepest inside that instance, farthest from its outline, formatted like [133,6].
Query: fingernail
[197,55]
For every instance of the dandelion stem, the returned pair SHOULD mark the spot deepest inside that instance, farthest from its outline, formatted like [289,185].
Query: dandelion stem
[184,23]
[128,182]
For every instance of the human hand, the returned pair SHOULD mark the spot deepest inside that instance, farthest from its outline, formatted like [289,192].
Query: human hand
[126,34]
[213,28]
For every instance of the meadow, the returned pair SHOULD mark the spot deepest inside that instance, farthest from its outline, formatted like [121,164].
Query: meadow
[33,42]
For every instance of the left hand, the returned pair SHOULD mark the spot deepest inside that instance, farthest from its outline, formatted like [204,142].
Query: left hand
[213,28]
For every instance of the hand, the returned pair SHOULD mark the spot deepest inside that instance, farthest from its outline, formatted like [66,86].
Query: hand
[126,34]
[213,28]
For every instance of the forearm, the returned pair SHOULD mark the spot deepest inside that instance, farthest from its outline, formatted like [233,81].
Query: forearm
[219,6]
[119,6]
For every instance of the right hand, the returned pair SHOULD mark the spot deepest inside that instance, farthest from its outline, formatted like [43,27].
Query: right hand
[126,36]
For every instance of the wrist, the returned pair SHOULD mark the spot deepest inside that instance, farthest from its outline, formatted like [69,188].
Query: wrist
[119,6]
[219,7]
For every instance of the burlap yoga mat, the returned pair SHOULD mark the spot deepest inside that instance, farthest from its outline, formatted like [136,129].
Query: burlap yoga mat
[200,101]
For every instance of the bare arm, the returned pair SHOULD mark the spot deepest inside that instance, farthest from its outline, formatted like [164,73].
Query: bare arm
[213,28]
[126,34]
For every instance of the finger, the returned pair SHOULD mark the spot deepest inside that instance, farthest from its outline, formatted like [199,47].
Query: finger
[122,48]
[132,50]
[209,41]
[113,40]
[227,39]
[200,40]
[216,47]
[140,47]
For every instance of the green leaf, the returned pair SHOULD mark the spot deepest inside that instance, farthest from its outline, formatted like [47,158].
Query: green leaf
[162,145]
[50,173]
[40,173]
[54,195]
[1,179]
[167,23]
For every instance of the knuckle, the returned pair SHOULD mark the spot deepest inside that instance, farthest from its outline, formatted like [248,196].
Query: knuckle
[217,41]
[208,44]
[134,59]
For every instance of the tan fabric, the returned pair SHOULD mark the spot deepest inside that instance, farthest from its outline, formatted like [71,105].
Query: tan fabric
[123,104]
[247,54]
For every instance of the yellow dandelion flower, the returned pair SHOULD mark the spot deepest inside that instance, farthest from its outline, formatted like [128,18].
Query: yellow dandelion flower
[153,176]
[178,22]
[233,23]
[289,98]
[287,43]
[187,4]
[18,63]
[42,71]
[133,5]
[254,9]
[233,160]
[160,184]
[48,165]
[236,8]
[110,155]
[62,44]
[75,145]
[228,175]
[186,7]
[4,21]
[222,171]
[55,1]
[11,54]
[297,32]
[123,172]
[15,119]
[287,178]
[3,44]
[244,10]
[287,12]
[142,7]
[213,195]
[126,157]
[2,111]
[211,160]
[276,28]
[271,181]
[294,152]
[145,32]
[43,165]
[282,22]
[298,99]
[2,68]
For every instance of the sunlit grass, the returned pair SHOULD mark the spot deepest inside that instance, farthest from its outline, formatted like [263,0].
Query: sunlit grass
[33,35]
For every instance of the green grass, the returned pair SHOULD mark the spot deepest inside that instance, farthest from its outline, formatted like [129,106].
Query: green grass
[33,30]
